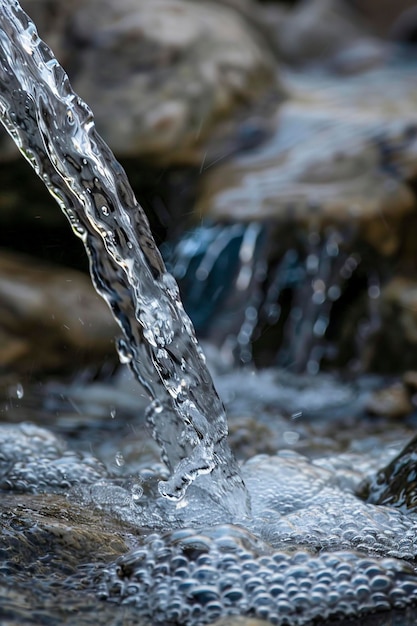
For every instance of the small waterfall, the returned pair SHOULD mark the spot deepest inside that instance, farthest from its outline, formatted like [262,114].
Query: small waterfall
[248,292]
[54,130]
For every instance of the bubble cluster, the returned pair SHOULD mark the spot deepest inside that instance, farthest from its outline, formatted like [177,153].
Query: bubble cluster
[297,503]
[192,577]
[33,460]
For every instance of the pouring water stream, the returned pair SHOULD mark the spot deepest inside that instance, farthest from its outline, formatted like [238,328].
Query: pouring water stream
[54,130]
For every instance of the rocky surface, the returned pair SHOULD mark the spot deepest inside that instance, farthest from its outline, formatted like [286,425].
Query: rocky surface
[327,31]
[332,201]
[169,81]
[51,319]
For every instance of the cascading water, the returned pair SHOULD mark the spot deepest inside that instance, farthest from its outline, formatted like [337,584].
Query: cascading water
[54,130]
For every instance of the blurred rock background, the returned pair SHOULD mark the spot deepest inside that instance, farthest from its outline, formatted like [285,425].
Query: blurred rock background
[273,147]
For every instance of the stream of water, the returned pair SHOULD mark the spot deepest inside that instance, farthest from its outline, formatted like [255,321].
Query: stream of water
[54,130]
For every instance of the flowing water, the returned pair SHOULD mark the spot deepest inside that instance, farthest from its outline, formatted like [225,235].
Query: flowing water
[55,132]
[76,529]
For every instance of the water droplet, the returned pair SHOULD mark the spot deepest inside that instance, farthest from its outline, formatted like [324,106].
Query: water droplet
[125,355]
[20,392]
[374,292]
[105,210]
[334,293]
[120,460]
[313,367]
[291,437]
[137,491]
[320,327]
[70,117]
[312,263]
[112,413]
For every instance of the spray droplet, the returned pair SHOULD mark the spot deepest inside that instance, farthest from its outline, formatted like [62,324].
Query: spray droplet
[19,391]
[291,437]
[125,355]
[374,292]
[112,413]
[105,210]
[137,492]
[120,460]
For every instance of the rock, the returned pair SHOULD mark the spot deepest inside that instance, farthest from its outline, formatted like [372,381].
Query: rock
[323,209]
[51,319]
[50,523]
[318,31]
[341,154]
[395,485]
[393,402]
[168,80]
[381,16]
[393,346]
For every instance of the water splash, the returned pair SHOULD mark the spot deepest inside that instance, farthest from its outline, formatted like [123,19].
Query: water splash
[54,129]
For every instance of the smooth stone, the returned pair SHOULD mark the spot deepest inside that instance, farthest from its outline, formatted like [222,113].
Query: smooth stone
[330,162]
[320,30]
[51,319]
[169,81]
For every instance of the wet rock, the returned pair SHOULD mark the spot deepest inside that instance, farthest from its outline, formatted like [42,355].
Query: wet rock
[330,162]
[393,402]
[51,319]
[168,80]
[66,532]
[392,347]
[382,16]
[321,30]
[396,484]
[324,207]
[45,540]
